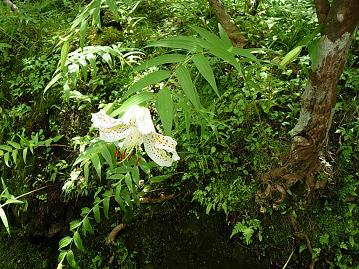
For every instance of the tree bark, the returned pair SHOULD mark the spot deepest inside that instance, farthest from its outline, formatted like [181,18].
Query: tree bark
[225,20]
[318,102]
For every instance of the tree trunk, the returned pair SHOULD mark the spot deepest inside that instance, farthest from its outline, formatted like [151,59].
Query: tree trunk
[225,20]
[10,4]
[318,101]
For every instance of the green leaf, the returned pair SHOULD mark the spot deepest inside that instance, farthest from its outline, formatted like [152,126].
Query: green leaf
[291,56]
[7,158]
[213,39]
[245,53]
[148,80]
[181,42]
[75,224]
[205,69]
[106,206]
[14,155]
[184,79]
[135,175]
[64,242]
[6,147]
[53,81]
[96,163]
[62,256]
[14,144]
[86,171]
[128,181]
[134,100]
[163,59]
[4,219]
[78,241]
[96,213]
[86,227]
[158,179]
[112,5]
[83,30]
[24,154]
[71,259]
[64,52]
[228,57]
[106,154]
[164,105]
[224,36]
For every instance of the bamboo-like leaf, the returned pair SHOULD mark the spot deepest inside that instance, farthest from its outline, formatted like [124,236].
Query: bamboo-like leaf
[14,144]
[4,219]
[64,52]
[148,80]
[14,155]
[86,226]
[52,82]
[75,224]
[164,105]
[24,154]
[7,158]
[158,179]
[106,154]
[184,79]
[112,5]
[83,30]
[96,163]
[128,181]
[137,99]
[189,43]
[245,53]
[96,213]
[213,39]
[71,259]
[106,206]
[228,57]
[135,175]
[160,60]
[78,241]
[205,69]
[224,36]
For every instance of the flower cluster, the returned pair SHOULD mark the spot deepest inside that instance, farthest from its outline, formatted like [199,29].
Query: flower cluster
[134,129]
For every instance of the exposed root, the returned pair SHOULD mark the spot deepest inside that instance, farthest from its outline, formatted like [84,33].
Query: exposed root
[113,234]
[162,198]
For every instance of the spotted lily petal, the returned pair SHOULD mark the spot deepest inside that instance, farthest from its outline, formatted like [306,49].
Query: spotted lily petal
[141,117]
[101,120]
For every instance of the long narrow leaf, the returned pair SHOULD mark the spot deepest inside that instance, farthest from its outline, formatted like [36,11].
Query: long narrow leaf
[148,80]
[205,69]
[164,105]
[163,59]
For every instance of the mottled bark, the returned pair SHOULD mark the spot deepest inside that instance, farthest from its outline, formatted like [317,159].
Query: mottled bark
[318,101]
[10,4]
[227,24]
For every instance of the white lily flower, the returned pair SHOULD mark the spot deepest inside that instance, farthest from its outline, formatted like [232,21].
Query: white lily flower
[134,129]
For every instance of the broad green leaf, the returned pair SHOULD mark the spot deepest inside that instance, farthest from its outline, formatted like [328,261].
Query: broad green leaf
[96,213]
[75,224]
[163,59]
[96,163]
[244,53]
[64,52]
[71,259]
[6,147]
[228,57]
[96,18]
[86,226]
[7,158]
[106,206]
[83,30]
[4,219]
[164,105]
[106,154]
[291,56]
[53,81]
[224,36]
[134,100]
[86,171]
[14,155]
[64,242]
[78,241]
[135,175]
[24,154]
[14,144]
[213,39]
[62,256]
[128,181]
[148,80]
[181,42]
[184,79]
[206,71]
